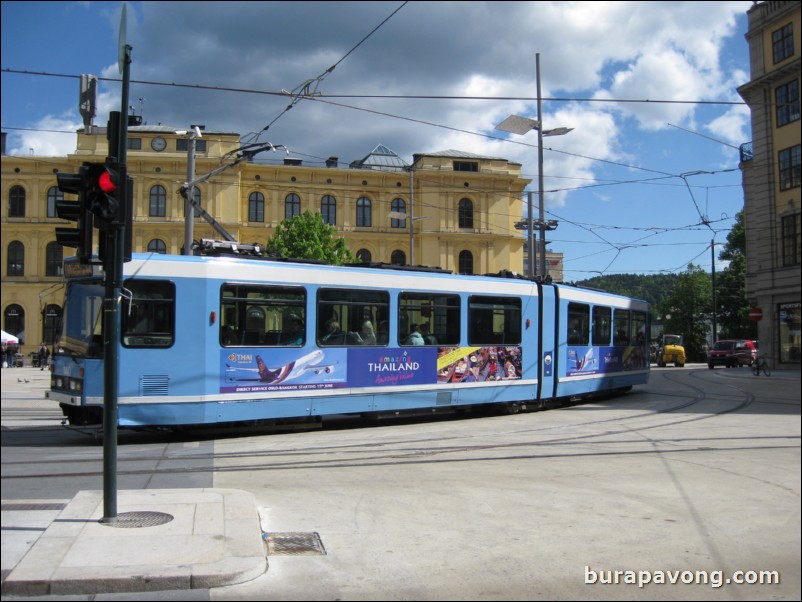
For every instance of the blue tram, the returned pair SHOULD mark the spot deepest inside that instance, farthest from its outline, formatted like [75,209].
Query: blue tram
[231,339]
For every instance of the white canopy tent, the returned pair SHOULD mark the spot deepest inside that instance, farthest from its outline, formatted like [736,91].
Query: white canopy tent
[9,338]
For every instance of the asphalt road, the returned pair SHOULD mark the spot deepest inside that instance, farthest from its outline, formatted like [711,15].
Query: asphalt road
[685,489]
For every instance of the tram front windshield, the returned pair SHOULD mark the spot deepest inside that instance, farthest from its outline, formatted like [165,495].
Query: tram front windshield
[81,333]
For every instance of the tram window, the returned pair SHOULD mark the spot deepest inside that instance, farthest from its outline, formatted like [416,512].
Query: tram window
[639,328]
[494,320]
[148,317]
[352,317]
[435,316]
[602,325]
[578,323]
[266,316]
[621,327]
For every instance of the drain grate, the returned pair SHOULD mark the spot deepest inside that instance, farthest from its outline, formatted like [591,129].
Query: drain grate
[294,544]
[134,520]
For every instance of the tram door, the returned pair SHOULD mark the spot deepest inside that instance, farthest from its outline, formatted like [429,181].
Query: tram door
[548,347]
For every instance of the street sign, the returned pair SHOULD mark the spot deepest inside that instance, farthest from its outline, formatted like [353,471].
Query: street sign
[756,314]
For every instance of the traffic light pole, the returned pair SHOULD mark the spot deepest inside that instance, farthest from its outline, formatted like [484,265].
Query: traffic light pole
[113,267]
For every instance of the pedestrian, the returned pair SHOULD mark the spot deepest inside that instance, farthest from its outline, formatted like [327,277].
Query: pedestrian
[44,355]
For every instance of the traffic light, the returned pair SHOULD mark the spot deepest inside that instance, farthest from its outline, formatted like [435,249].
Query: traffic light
[104,187]
[79,238]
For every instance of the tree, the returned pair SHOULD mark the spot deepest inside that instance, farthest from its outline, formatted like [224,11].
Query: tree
[687,310]
[306,236]
[732,306]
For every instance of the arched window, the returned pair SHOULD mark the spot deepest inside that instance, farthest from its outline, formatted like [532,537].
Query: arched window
[16,202]
[158,202]
[399,206]
[54,258]
[292,206]
[465,262]
[15,262]
[398,258]
[51,317]
[256,207]
[328,209]
[364,256]
[14,321]
[53,195]
[157,246]
[465,213]
[364,217]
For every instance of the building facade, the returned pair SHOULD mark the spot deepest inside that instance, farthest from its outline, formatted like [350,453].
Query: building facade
[462,209]
[771,178]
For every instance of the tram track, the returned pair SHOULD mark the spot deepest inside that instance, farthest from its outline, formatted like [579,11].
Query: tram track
[462,446]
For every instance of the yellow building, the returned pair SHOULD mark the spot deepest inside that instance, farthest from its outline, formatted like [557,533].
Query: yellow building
[771,178]
[463,210]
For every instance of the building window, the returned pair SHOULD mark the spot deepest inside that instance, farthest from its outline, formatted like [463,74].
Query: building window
[399,206]
[54,258]
[364,256]
[53,196]
[466,166]
[157,246]
[364,218]
[789,159]
[158,202]
[465,213]
[15,265]
[51,321]
[134,143]
[14,322]
[182,144]
[787,99]
[16,202]
[465,262]
[328,209]
[398,258]
[292,206]
[790,341]
[792,234]
[256,207]
[783,43]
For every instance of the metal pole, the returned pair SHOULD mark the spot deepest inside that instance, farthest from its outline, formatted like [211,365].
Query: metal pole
[530,230]
[542,213]
[411,220]
[113,266]
[713,269]
[189,211]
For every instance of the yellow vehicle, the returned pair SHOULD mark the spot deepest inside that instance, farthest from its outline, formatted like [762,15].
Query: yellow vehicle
[671,350]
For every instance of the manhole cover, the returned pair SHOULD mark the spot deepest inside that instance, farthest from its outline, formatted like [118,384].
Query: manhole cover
[134,520]
[294,544]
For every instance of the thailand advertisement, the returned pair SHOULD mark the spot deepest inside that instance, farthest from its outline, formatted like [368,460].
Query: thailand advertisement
[604,360]
[278,369]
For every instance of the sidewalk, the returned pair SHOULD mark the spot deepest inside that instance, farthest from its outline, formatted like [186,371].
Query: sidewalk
[212,537]
[197,539]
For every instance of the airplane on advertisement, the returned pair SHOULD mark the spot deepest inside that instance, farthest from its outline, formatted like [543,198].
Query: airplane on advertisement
[274,376]
[586,362]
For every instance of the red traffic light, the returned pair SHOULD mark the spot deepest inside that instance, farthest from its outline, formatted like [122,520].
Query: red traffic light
[106,182]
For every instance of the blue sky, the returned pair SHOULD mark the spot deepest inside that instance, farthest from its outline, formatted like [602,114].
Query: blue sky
[646,180]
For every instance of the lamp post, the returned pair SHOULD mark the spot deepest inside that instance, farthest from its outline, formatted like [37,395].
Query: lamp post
[189,210]
[521,125]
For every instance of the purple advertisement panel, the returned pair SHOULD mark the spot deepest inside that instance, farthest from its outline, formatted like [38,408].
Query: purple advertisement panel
[382,367]
[604,360]
[271,369]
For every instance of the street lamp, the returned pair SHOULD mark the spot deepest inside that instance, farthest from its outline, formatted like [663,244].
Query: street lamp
[521,125]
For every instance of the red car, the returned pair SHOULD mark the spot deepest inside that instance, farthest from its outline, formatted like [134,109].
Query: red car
[732,353]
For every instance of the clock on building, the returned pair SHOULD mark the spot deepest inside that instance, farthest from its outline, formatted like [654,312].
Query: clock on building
[158,144]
